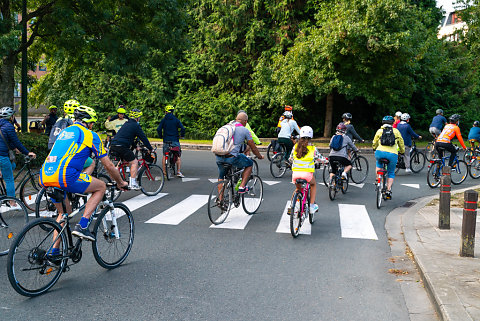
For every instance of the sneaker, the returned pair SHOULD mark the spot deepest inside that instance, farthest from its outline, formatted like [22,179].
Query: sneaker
[243,190]
[344,175]
[289,211]
[54,259]
[388,195]
[408,170]
[179,174]
[84,233]
[134,187]
[313,208]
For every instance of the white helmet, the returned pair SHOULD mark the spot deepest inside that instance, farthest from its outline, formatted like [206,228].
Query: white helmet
[398,114]
[405,117]
[288,115]
[306,131]
[6,112]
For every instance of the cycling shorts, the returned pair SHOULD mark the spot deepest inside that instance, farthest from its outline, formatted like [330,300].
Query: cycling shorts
[342,160]
[434,131]
[124,153]
[239,161]
[393,158]
[177,150]
[303,175]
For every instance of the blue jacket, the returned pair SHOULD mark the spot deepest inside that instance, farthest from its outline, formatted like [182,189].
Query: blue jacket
[170,125]
[10,135]
[474,133]
[438,122]
[407,133]
[128,132]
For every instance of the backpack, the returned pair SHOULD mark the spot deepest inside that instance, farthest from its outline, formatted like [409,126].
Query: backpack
[60,125]
[337,142]
[222,143]
[388,137]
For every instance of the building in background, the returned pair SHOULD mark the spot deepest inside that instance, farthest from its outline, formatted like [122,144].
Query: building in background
[451,26]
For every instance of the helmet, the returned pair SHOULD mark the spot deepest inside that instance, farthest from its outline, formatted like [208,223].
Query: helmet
[306,131]
[69,106]
[135,113]
[85,114]
[439,111]
[121,109]
[454,117]
[347,116]
[476,123]
[405,117]
[288,108]
[341,128]
[169,108]
[6,112]
[288,114]
[388,120]
[398,114]
[52,107]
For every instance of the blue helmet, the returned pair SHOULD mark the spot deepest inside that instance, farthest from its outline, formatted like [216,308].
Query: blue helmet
[388,120]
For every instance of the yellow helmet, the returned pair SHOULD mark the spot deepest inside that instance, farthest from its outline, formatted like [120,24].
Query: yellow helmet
[169,108]
[85,114]
[69,106]
[52,107]
[135,113]
[121,110]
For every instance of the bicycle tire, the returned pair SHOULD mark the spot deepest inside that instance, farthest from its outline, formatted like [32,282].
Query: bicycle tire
[106,240]
[12,222]
[255,167]
[359,171]
[332,189]
[430,152]
[417,162]
[30,249]
[151,180]
[459,173]
[296,214]
[433,175]
[218,210]
[167,165]
[326,175]
[311,216]
[269,152]
[107,179]
[379,196]
[344,186]
[171,166]
[278,166]
[475,169]
[29,190]
[252,199]
[468,156]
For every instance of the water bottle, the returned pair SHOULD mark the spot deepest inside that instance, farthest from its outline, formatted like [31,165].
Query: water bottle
[238,184]
[127,169]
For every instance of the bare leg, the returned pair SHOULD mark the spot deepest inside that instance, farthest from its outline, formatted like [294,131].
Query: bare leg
[97,188]
[245,175]
[389,183]
[59,208]
[133,168]
[313,190]
[179,164]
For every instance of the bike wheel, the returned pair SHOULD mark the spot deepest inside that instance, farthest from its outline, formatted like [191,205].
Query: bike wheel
[269,152]
[171,167]
[459,173]
[433,175]
[254,167]
[29,271]
[468,156]
[29,191]
[296,214]
[344,186]
[359,171]
[107,179]
[150,179]
[167,166]
[252,199]
[475,169]
[326,175]
[12,221]
[44,207]
[311,216]
[332,189]
[113,236]
[430,152]
[417,162]
[378,189]
[219,202]
[278,166]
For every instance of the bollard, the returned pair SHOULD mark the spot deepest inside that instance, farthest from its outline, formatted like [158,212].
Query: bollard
[444,203]
[468,223]
[446,170]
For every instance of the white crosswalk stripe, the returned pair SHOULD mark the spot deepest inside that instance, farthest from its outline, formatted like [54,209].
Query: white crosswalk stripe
[237,220]
[417,186]
[284,225]
[270,183]
[185,179]
[355,222]
[177,213]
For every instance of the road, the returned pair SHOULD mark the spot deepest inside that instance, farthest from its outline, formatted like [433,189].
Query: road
[249,268]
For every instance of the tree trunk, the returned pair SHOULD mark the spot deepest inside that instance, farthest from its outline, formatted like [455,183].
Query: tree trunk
[328,116]
[7,81]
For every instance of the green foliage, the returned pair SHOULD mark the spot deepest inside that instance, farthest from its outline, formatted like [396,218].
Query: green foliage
[36,143]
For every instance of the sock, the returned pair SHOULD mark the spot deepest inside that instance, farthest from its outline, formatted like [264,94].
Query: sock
[55,251]
[83,222]
[133,181]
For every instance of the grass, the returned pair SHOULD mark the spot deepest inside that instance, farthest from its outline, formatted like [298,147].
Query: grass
[456,200]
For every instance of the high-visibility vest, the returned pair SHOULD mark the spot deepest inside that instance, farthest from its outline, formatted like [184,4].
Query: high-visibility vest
[305,164]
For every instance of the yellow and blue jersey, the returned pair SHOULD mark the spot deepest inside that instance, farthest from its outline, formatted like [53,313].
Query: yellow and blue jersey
[66,160]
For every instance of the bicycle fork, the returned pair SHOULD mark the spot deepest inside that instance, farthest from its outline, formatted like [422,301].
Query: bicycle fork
[114,232]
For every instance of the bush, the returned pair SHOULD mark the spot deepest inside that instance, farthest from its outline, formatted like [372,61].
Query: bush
[36,143]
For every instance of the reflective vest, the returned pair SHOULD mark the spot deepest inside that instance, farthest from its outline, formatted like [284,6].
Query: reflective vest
[305,164]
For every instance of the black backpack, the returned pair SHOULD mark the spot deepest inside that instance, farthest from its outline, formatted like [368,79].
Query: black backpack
[337,142]
[388,137]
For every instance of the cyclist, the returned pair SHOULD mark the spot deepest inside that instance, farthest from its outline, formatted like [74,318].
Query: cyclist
[387,151]
[341,154]
[236,158]
[113,124]
[168,130]
[303,159]
[288,125]
[64,164]
[351,132]
[124,139]
[63,122]
[444,140]
[50,119]
[279,126]
[407,133]
[398,114]
[437,124]
[245,148]
[474,134]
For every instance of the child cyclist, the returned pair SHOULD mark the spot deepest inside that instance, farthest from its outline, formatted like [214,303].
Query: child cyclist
[303,159]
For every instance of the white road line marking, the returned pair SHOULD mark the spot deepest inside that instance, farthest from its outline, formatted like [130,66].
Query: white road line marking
[31,198]
[284,225]
[136,202]
[355,222]
[357,185]
[184,180]
[417,186]
[271,182]
[177,213]
[237,219]
[213,180]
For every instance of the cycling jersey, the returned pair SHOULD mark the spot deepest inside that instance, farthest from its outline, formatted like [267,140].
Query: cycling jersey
[280,121]
[399,144]
[115,124]
[64,164]
[474,133]
[438,122]
[448,133]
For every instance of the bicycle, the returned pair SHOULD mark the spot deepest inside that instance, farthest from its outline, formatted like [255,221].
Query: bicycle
[170,161]
[32,271]
[358,174]
[472,158]
[149,157]
[225,193]
[381,182]
[278,164]
[300,207]
[12,220]
[337,182]
[255,165]
[273,148]
[430,151]
[417,160]
[458,173]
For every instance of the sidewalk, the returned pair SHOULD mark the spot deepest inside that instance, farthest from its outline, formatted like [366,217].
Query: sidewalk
[452,282]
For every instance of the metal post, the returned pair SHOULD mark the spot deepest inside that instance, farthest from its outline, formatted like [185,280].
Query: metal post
[468,223]
[444,204]
[24,69]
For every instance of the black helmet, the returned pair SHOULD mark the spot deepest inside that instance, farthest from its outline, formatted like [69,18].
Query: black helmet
[439,111]
[454,118]
[347,116]
[476,123]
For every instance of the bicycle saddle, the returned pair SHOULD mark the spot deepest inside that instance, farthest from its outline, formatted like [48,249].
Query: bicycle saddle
[301,181]
[55,194]
[384,161]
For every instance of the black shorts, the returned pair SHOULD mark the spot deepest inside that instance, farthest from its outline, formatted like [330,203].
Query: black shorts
[342,160]
[124,153]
